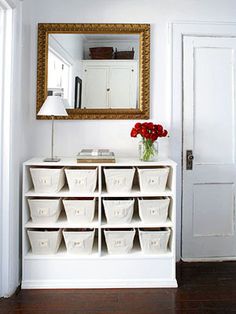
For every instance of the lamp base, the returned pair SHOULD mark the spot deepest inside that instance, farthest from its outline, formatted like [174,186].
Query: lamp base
[54,159]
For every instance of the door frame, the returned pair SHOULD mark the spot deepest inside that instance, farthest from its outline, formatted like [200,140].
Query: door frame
[9,205]
[5,134]
[176,32]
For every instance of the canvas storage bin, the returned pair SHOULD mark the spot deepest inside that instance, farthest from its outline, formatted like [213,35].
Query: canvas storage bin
[154,241]
[79,241]
[47,180]
[81,180]
[45,241]
[44,210]
[119,179]
[153,210]
[119,241]
[118,211]
[79,210]
[153,179]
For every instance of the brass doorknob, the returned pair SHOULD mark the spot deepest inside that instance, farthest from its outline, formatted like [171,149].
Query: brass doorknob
[189,159]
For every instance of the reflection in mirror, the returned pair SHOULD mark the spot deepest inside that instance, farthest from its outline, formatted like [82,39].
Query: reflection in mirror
[100,78]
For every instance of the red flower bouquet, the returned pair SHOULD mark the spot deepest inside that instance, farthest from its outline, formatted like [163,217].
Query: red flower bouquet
[149,132]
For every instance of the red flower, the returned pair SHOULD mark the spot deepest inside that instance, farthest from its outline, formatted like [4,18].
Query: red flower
[143,131]
[138,126]
[133,133]
[165,132]
[148,135]
[154,137]
[148,131]
[159,128]
[150,125]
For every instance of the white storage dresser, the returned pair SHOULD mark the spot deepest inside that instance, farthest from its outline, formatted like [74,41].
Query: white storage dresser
[135,247]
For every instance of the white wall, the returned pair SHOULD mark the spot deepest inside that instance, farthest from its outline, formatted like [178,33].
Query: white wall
[71,136]
[20,139]
[16,127]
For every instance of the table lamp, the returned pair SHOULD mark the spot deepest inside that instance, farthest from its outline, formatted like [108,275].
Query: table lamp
[53,106]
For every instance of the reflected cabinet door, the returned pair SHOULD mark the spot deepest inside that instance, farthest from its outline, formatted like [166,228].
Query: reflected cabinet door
[123,86]
[95,87]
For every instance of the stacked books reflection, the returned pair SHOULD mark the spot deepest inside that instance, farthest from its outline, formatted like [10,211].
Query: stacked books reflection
[96,156]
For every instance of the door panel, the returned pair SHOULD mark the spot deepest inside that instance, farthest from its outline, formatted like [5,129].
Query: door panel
[214,202]
[212,106]
[209,131]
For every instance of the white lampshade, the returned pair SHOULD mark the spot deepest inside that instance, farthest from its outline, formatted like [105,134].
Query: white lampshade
[53,106]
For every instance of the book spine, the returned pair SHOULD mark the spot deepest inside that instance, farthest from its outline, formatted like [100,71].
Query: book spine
[95,160]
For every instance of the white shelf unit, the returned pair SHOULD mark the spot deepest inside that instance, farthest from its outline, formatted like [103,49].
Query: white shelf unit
[99,270]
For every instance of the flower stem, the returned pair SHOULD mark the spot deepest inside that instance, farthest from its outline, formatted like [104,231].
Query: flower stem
[148,149]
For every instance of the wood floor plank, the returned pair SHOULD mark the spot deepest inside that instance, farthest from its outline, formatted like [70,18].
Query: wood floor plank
[203,288]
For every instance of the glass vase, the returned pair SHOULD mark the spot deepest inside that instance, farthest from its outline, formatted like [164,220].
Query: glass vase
[148,150]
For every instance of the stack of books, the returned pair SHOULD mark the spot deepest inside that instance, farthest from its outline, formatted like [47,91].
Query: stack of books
[96,156]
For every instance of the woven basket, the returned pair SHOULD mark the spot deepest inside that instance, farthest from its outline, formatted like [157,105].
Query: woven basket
[101,53]
[124,54]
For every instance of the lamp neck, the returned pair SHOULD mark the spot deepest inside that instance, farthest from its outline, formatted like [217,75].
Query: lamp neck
[52,138]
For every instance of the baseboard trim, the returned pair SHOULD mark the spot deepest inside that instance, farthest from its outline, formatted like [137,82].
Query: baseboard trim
[58,284]
[208,259]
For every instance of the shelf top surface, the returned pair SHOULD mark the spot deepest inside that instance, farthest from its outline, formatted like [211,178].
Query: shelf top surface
[120,161]
[102,61]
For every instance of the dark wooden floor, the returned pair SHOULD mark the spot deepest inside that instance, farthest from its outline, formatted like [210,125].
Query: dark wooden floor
[203,288]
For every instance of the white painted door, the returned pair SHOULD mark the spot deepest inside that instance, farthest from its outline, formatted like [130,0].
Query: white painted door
[208,226]
[94,91]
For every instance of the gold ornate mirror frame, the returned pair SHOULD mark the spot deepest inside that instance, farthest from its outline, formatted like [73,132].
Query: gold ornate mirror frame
[144,67]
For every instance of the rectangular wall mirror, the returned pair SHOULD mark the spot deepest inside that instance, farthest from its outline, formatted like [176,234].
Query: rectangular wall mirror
[100,70]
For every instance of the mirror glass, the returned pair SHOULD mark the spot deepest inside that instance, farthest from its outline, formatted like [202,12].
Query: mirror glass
[94,71]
